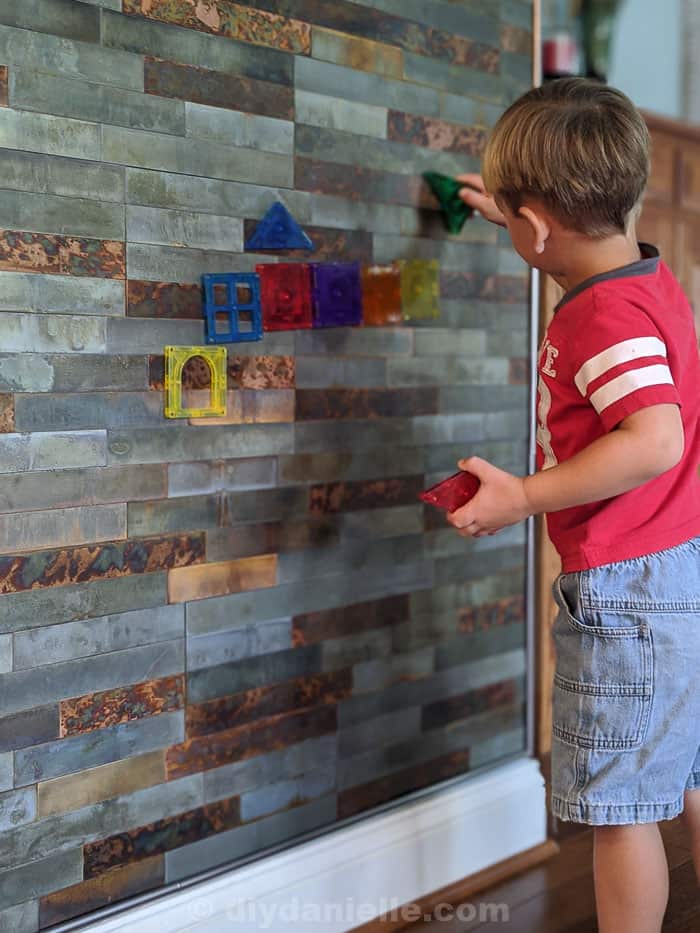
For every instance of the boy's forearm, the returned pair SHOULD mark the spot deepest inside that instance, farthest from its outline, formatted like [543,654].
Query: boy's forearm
[613,464]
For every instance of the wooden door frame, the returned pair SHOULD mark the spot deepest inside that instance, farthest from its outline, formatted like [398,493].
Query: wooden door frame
[544,560]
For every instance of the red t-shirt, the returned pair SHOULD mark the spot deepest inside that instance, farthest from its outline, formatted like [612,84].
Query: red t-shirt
[620,342]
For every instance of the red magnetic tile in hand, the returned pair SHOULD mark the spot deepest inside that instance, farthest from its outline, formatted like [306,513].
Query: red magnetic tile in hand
[381,295]
[452,493]
[285,290]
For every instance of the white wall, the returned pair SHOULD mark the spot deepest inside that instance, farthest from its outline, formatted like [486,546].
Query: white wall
[647,55]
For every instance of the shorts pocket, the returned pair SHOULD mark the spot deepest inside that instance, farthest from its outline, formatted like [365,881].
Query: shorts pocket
[604,678]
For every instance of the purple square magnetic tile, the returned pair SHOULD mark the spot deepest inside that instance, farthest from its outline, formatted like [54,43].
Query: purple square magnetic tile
[337,294]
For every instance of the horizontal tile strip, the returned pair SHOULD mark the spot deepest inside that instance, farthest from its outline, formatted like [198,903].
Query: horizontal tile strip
[85,564]
[61,255]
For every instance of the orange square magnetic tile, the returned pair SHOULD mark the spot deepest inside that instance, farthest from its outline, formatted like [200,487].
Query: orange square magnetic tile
[381,295]
[220,579]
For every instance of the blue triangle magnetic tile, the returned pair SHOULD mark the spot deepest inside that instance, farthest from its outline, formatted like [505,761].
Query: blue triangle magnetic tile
[278,230]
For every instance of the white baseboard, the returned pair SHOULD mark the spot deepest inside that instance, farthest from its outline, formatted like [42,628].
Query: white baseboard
[347,877]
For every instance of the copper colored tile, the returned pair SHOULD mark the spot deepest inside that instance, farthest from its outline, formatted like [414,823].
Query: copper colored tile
[361,404]
[61,255]
[161,836]
[313,627]
[218,89]
[442,712]
[365,494]
[460,51]
[7,414]
[83,564]
[235,576]
[3,86]
[516,39]
[205,16]
[261,372]
[243,372]
[437,134]
[265,735]
[519,371]
[291,697]
[224,18]
[277,32]
[502,612]
[123,704]
[355,799]
[163,300]
[110,887]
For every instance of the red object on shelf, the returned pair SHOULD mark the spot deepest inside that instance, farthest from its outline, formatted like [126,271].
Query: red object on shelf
[452,493]
[560,56]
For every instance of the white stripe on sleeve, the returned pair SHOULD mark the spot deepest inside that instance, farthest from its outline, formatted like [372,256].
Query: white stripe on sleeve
[656,375]
[622,352]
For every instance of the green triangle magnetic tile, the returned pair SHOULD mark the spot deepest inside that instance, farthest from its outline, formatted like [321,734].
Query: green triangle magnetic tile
[446,190]
[420,288]
[278,230]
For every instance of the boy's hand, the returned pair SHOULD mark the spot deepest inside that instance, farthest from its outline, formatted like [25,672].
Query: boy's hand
[501,501]
[479,200]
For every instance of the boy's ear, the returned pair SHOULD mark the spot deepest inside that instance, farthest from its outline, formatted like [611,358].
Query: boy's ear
[540,225]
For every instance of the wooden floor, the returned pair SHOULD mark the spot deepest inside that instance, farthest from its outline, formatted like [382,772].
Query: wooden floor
[558,897]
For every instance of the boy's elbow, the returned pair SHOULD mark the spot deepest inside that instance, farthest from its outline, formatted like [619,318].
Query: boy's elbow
[667,451]
[659,438]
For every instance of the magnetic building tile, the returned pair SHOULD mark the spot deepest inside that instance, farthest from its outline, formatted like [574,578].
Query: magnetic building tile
[337,292]
[232,311]
[420,289]
[278,230]
[381,295]
[285,290]
[176,359]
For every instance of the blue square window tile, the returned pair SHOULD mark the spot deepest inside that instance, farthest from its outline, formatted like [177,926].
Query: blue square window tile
[232,307]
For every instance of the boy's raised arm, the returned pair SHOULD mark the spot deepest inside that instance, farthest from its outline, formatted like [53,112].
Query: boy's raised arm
[474,194]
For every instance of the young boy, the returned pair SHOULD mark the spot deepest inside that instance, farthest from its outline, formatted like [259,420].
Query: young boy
[618,440]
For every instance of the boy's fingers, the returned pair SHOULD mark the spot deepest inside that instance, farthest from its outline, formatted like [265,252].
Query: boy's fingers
[482,202]
[473,179]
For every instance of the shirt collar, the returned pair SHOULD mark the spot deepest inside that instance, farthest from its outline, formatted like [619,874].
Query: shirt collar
[647,265]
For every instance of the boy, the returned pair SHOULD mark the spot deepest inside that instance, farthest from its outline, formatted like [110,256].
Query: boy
[618,449]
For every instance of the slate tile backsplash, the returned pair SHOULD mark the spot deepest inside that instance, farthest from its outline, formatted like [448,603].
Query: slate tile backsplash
[217,636]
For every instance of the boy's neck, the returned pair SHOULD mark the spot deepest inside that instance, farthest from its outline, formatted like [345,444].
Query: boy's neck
[583,258]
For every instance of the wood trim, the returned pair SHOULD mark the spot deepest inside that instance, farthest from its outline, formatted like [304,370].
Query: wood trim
[461,891]
[536,42]
[672,126]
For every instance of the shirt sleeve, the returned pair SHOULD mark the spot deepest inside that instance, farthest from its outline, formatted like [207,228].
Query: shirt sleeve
[621,364]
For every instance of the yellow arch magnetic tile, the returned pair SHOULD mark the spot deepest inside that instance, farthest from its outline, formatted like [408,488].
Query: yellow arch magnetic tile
[176,358]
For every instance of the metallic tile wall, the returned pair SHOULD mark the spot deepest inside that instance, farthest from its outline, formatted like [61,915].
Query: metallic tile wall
[216,636]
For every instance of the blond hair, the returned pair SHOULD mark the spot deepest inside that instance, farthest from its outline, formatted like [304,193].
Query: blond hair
[577,146]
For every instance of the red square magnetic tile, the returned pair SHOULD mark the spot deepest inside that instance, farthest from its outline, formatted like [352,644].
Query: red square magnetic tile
[286,295]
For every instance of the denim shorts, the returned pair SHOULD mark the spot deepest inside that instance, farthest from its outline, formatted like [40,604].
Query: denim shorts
[626,692]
